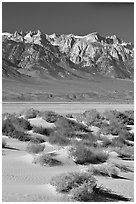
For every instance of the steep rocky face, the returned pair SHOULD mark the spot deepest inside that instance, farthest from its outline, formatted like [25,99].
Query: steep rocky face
[106,54]
[58,55]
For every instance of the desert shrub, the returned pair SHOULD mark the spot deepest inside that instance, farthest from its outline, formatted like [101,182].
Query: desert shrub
[82,187]
[87,193]
[7,127]
[83,193]
[59,137]
[99,123]
[84,155]
[109,170]
[46,160]
[118,142]
[126,135]
[14,125]
[106,142]
[35,148]
[125,152]
[123,167]
[8,116]
[91,115]
[67,181]
[16,128]
[109,114]
[49,116]
[30,113]
[3,142]
[88,140]
[42,130]
[113,128]
[22,136]
[130,115]
[89,136]
[70,125]
[126,117]
[38,139]
[21,123]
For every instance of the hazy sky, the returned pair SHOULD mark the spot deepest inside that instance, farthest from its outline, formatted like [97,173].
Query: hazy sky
[79,18]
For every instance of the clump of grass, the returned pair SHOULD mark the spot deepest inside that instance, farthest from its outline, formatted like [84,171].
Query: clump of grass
[35,148]
[114,128]
[90,117]
[22,136]
[82,193]
[126,117]
[65,182]
[70,125]
[59,137]
[130,115]
[42,130]
[126,152]
[12,124]
[30,113]
[8,116]
[7,127]
[82,187]
[108,170]
[49,116]
[46,160]
[84,155]
[16,128]
[126,135]
[123,167]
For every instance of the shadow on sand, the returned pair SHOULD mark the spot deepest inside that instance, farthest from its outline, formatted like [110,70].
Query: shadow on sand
[105,195]
[11,148]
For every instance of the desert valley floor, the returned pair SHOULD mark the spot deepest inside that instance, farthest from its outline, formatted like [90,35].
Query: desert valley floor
[64,107]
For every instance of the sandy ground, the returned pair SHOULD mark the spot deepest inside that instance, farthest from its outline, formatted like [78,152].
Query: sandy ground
[124,185]
[24,181]
[41,122]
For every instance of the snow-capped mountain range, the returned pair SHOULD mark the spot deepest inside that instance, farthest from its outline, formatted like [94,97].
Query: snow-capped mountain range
[66,56]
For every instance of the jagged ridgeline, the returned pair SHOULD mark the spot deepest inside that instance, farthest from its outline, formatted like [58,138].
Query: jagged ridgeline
[66,56]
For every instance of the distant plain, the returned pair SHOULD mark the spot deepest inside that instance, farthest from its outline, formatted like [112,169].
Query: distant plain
[65,108]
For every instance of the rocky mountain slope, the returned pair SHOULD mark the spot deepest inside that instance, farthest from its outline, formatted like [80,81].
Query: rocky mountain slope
[66,56]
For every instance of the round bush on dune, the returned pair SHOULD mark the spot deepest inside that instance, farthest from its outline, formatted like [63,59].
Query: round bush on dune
[105,169]
[49,116]
[7,127]
[46,160]
[67,181]
[30,113]
[83,193]
[35,148]
[42,130]
[85,155]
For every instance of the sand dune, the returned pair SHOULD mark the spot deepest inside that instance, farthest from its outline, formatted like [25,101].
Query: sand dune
[24,181]
[41,122]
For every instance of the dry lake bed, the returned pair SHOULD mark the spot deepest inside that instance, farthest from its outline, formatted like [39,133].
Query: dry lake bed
[65,107]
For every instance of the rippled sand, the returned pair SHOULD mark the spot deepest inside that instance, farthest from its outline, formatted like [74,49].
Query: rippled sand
[24,181]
